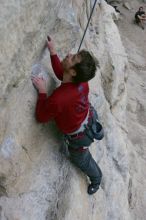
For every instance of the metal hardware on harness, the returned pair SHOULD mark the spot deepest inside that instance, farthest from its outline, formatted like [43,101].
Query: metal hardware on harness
[87,128]
[87,24]
[84,148]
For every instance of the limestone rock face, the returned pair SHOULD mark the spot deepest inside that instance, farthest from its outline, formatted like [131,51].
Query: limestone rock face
[37,182]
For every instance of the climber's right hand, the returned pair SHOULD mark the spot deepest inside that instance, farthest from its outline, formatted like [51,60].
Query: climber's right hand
[39,83]
[50,45]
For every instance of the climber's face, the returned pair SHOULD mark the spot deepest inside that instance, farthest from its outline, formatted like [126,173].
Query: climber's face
[70,60]
[141,9]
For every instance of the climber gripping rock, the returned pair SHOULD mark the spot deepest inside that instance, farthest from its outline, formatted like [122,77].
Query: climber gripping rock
[69,107]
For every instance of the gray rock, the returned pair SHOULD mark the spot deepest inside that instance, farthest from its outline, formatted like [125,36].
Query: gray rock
[127,5]
[37,182]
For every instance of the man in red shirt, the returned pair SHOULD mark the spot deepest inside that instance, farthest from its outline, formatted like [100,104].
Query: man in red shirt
[69,107]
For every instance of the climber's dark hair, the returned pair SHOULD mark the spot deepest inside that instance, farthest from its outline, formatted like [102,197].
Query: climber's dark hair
[85,70]
[141,7]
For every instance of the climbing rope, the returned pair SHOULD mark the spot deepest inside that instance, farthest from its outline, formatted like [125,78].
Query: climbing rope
[87,24]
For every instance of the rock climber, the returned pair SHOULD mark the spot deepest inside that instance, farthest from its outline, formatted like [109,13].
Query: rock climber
[140,17]
[69,106]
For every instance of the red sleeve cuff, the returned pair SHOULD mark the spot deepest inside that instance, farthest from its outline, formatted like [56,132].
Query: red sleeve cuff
[53,55]
[42,95]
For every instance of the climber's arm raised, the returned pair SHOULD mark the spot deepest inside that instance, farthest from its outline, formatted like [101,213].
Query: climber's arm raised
[56,64]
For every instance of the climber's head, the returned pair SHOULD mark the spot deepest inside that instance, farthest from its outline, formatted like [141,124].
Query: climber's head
[141,8]
[81,66]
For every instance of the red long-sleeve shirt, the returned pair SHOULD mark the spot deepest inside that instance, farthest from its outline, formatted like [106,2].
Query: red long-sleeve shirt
[68,105]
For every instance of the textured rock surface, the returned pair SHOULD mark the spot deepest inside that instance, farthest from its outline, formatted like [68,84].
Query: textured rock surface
[36,181]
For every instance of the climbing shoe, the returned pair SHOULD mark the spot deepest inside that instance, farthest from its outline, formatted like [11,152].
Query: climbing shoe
[92,188]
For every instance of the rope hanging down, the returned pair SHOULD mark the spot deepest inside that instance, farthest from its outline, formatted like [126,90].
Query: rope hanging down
[87,24]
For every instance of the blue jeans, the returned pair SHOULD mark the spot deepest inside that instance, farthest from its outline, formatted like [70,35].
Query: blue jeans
[83,158]
[87,164]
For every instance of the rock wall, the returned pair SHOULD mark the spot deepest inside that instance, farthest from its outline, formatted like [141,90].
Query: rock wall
[37,182]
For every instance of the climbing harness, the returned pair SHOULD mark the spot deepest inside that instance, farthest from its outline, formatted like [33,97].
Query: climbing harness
[92,130]
[87,24]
